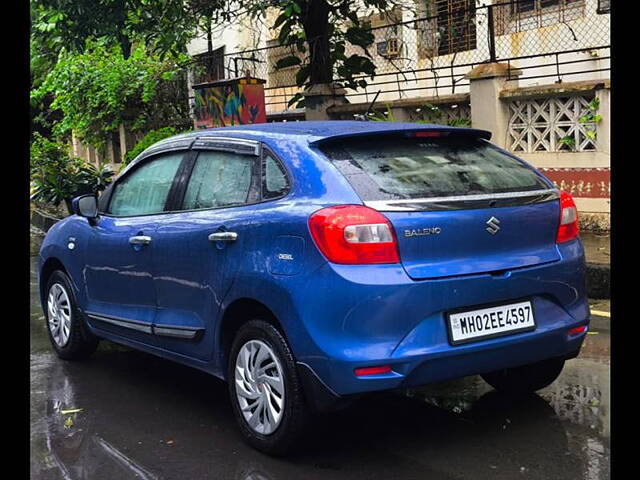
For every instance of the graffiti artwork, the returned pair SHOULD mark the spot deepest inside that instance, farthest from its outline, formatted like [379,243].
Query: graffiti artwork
[235,101]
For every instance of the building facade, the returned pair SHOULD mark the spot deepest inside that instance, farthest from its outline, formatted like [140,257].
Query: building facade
[547,101]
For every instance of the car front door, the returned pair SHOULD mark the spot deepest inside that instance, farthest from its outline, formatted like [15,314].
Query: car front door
[197,250]
[121,296]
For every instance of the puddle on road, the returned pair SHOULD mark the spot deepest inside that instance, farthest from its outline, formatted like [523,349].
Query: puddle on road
[144,417]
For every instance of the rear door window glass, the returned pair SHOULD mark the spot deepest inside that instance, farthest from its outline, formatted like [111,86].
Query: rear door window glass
[219,179]
[382,168]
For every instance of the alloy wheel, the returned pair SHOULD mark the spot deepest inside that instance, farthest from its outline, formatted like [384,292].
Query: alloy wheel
[260,386]
[59,309]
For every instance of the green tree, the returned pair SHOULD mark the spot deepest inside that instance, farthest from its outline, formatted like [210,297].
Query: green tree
[100,89]
[164,25]
[321,30]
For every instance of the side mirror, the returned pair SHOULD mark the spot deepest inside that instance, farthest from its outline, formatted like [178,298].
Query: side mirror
[85,206]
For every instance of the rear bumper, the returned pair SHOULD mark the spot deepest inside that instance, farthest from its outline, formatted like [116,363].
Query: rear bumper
[449,362]
[359,317]
[322,398]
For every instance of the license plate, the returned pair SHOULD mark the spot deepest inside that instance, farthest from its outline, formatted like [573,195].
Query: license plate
[473,325]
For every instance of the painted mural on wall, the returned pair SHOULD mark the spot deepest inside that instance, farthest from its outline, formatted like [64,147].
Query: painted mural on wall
[229,102]
[581,182]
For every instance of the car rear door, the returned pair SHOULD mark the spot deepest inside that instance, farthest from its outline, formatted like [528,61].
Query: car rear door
[459,205]
[119,269]
[198,248]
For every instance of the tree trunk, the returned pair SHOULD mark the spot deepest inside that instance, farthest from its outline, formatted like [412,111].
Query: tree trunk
[315,21]
[121,23]
[209,62]
[125,45]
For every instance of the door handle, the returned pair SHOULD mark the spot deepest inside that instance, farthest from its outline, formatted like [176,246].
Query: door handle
[140,240]
[223,237]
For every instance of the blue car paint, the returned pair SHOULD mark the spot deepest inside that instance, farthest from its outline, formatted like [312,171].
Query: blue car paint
[335,317]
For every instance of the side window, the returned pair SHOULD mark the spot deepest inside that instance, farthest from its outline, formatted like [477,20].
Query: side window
[144,191]
[274,182]
[219,179]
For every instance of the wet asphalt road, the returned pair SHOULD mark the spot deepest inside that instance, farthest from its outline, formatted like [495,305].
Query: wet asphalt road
[147,418]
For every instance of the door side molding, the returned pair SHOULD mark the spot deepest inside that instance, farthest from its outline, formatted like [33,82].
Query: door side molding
[122,322]
[174,331]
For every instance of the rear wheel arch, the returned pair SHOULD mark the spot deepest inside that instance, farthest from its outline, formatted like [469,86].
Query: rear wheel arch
[239,312]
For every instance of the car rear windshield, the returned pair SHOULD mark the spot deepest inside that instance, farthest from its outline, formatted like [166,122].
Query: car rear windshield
[382,168]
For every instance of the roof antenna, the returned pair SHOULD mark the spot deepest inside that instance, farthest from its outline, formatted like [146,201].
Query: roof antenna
[365,116]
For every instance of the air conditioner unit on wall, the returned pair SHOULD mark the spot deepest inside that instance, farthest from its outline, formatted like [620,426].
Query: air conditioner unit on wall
[389,48]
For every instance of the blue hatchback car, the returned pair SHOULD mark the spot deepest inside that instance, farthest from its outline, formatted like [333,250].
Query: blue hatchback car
[308,263]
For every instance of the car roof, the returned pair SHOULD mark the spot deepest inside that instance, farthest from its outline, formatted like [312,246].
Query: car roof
[311,132]
[318,131]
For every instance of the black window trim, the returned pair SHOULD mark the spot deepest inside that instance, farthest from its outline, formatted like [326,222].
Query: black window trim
[179,187]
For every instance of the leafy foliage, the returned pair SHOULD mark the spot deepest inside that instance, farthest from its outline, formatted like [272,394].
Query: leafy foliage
[590,119]
[320,31]
[57,177]
[100,89]
[149,139]
[165,26]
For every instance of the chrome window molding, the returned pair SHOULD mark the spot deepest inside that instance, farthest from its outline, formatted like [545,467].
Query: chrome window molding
[449,203]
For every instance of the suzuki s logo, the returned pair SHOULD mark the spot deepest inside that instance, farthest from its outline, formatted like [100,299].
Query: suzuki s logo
[493,225]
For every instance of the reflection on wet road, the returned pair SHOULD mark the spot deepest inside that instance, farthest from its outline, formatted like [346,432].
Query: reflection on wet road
[147,418]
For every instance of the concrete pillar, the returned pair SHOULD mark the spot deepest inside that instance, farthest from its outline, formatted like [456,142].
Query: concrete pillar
[109,154]
[488,111]
[75,145]
[91,154]
[401,114]
[320,97]
[127,141]
[604,127]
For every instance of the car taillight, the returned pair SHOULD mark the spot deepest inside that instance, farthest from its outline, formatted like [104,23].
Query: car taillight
[568,229]
[354,235]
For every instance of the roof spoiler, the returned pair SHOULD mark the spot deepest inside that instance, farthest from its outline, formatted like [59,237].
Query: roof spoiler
[418,132]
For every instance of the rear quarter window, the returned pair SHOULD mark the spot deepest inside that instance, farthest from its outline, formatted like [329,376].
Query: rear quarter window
[399,167]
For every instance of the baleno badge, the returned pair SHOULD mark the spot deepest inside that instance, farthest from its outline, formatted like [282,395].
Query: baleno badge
[422,231]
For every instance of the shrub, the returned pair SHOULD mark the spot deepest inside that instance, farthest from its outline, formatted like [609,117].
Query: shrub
[149,139]
[57,177]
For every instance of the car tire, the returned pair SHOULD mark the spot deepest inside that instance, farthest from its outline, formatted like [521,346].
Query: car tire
[274,427]
[527,378]
[66,326]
